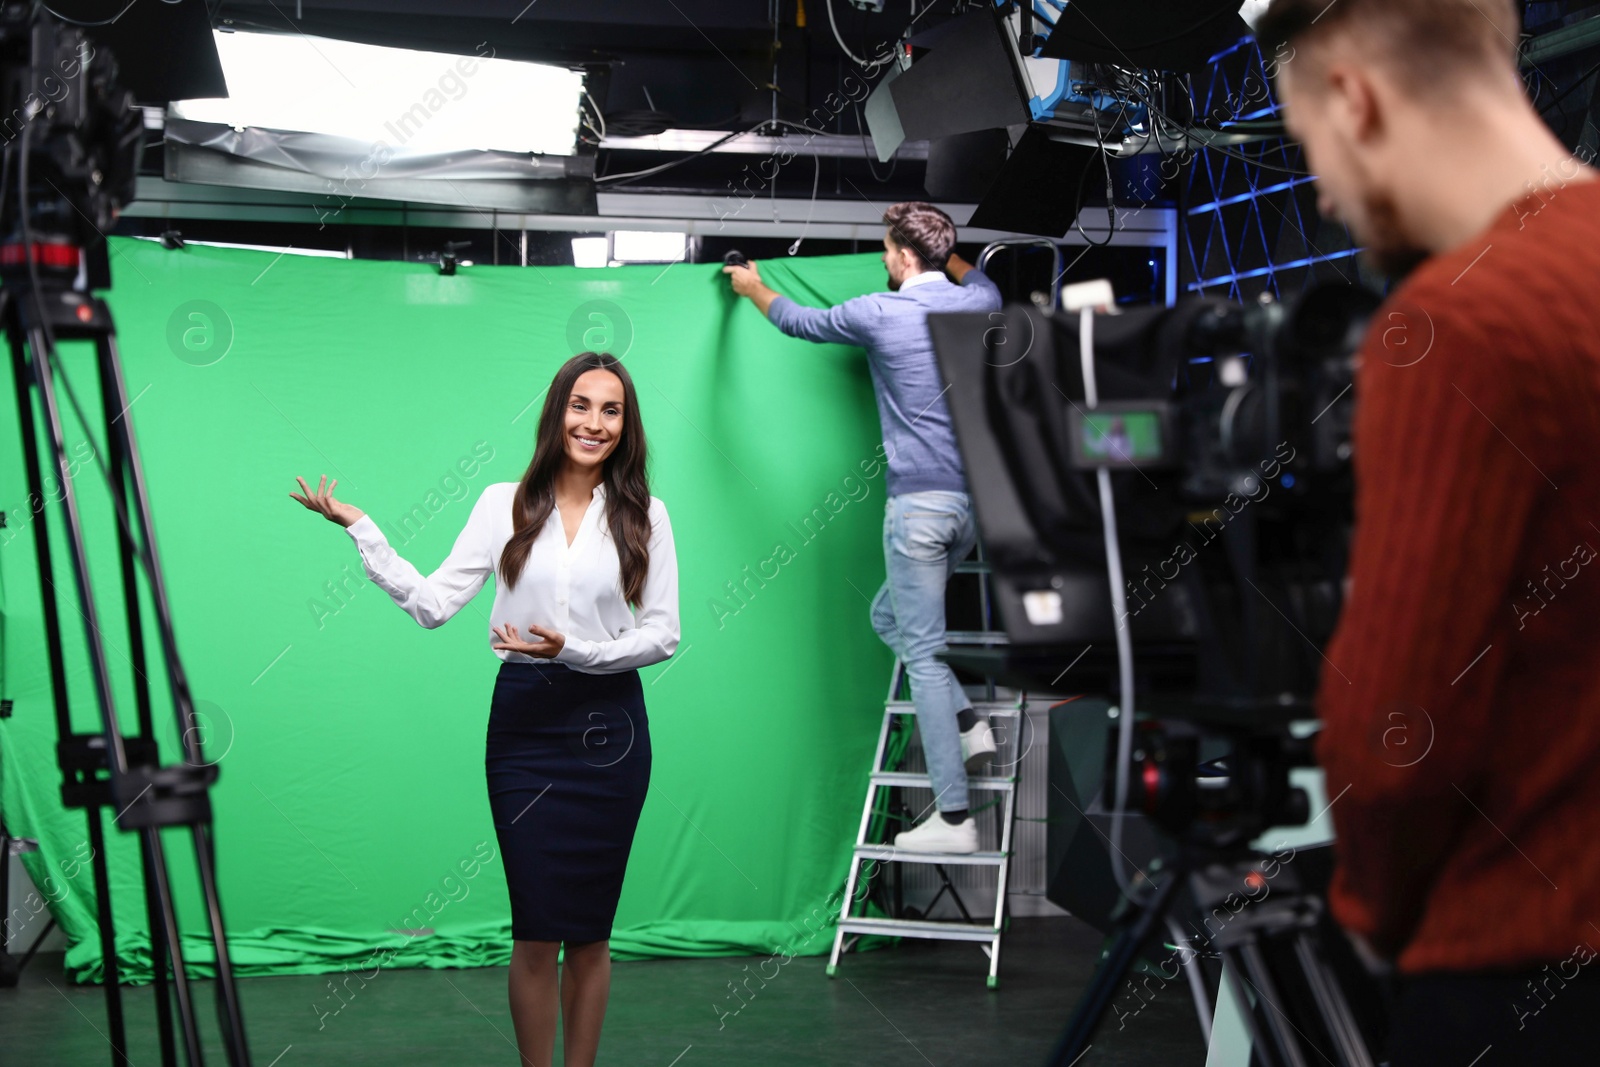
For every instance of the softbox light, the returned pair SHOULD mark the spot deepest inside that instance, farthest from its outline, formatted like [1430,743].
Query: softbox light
[164,51]
[1176,35]
[1035,190]
[969,81]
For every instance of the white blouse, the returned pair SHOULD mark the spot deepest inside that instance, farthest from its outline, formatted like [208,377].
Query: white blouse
[575,590]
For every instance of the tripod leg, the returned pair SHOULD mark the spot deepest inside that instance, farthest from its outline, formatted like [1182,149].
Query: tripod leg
[158,959]
[121,431]
[169,921]
[1332,1006]
[228,1010]
[1108,975]
[108,940]
[1203,1008]
[1244,1009]
[1266,1003]
[138,653]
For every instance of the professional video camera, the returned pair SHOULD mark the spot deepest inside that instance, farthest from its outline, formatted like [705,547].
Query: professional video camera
[1164,497]
[1209,418]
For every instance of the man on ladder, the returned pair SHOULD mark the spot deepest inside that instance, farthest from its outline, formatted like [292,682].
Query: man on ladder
[928,522]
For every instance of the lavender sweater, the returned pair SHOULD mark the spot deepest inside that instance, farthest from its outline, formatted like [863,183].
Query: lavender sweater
[893,328]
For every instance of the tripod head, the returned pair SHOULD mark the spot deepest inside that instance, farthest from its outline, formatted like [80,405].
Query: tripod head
[1216,802]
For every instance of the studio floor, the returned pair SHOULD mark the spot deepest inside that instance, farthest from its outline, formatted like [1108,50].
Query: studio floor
[918,1003]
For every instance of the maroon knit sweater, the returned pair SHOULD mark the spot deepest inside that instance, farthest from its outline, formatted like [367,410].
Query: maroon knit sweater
[1461,698]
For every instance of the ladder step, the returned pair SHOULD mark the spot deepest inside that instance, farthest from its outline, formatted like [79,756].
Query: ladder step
[974,566]
[919,928]
[888,853]
[994,710]
[974,781]
[976,637]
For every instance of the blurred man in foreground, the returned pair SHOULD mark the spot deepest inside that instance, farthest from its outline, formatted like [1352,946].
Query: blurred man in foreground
[1461,695]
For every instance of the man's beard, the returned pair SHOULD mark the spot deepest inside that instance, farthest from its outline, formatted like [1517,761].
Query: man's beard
[894,283]
[1389,248]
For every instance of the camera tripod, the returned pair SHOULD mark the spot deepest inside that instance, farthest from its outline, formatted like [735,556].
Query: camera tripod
[109,768]
[1265,929]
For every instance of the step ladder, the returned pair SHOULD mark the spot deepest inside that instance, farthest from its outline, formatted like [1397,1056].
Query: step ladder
[1006,718]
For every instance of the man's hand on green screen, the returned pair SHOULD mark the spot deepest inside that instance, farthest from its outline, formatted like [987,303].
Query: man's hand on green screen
[747,282]
[746,279]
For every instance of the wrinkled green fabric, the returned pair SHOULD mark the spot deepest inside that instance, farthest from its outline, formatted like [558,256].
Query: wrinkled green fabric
[351,802]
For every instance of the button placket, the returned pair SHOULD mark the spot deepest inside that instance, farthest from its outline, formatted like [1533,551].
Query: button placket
[564,575]
[563,570]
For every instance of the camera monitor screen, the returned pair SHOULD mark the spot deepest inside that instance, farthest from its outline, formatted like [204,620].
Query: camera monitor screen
[1119,435]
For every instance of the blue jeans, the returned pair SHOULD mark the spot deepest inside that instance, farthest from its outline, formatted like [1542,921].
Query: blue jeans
[924,536]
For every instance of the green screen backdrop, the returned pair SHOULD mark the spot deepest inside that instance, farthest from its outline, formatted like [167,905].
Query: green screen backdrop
[351,812]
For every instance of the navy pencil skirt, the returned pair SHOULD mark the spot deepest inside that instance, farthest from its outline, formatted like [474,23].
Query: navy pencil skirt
[568,763]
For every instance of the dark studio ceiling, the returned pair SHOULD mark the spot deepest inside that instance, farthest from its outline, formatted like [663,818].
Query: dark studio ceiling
[703,61]
[704,65]
[698,64]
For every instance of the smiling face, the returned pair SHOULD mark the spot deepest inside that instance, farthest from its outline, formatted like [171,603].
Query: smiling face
[593,423]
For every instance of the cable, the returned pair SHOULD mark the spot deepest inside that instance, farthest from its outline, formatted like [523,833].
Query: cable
[641,122]
[1256,161]
[610,179]
[816,176]
[870,65]
[798,126]
[868,151]
[77,22]
[1111,204]
[1187,132]
[44,359]
[757,128]
[717,124]
[1119,607]
[27,245]
[601,119]
[1566,120]
[1563,94]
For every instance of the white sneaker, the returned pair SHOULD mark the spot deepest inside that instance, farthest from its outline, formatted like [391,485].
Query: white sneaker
[977,746]
[936,835]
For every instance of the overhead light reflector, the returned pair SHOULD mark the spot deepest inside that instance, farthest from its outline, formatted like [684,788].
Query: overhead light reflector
[410,101]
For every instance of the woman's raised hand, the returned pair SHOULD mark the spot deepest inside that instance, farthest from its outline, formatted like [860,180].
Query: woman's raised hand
[322,501]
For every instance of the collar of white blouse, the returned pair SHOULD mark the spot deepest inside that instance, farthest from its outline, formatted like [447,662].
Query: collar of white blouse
[598,497]
[599,493]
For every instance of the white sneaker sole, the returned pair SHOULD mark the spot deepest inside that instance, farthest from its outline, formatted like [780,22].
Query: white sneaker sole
[937,851]
[951,848]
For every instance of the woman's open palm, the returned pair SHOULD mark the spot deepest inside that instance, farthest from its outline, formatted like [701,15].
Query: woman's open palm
[322,501]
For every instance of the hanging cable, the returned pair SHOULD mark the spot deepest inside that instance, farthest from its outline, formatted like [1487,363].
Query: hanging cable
[598,117]
[1111,203]
[612,179]
[868,151]
[865,64]
[816,176]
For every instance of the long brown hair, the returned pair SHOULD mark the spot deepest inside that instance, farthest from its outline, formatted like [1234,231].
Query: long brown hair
[627,500]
